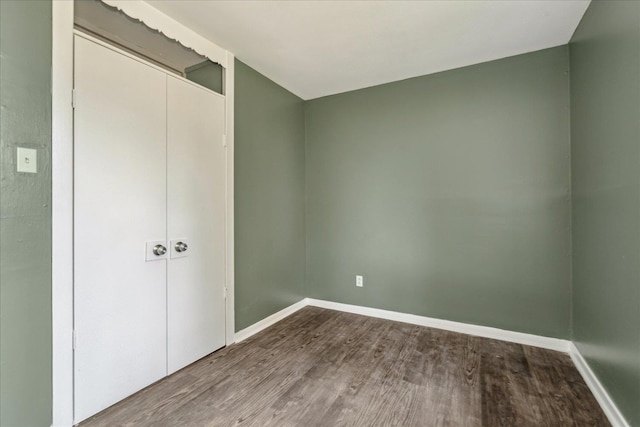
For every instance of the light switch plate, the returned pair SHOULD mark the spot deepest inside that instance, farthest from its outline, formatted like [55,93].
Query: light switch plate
[27,161]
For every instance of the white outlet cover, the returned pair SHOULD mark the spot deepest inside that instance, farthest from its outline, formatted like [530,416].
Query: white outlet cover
[27,160]
[359,281]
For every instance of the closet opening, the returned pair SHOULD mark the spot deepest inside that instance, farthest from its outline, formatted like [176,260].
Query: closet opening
[116,28]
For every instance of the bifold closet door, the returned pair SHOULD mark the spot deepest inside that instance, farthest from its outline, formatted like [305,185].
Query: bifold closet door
[196,217]
[119,205]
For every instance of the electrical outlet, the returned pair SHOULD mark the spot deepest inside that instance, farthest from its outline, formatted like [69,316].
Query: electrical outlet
[359,281]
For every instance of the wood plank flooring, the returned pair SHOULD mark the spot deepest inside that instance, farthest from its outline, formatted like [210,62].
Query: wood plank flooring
[322,367]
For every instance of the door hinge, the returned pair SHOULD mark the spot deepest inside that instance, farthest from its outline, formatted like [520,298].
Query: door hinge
[225,293]
[73,98]
[74,340]
[224,140]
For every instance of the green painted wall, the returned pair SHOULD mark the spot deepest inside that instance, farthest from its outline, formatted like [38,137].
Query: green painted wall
[269,197]
[208,74]
[605,132]
[25,215]
[450,193]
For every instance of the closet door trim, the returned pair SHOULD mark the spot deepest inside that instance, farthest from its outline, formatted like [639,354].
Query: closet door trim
[62,187]
[67,303]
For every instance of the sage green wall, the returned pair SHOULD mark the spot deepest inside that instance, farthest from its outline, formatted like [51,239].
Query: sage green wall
[605,132]
[450,193]
[25,215]
[208,74]
[269,197]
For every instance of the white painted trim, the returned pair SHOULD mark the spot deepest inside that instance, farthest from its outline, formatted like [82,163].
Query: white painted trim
[62,182]
[171,28]
[268,321]
[464,328]
[62,212]
[229,93]
[599,392]
[448,325]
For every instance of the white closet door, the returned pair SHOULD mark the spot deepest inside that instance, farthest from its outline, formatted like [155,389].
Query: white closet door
[196,216]
[120,204]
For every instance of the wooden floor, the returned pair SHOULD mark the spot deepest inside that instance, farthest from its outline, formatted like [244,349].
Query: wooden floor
[321,367]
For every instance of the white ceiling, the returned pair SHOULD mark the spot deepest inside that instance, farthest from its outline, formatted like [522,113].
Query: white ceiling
[319,48]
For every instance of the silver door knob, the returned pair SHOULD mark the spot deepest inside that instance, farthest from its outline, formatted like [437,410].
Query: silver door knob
[181,247]
[159,250]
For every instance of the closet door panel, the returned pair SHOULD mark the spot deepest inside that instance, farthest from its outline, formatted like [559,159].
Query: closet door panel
[120,204]
[196,216]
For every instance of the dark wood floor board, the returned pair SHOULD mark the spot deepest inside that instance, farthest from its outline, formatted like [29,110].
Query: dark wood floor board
[386,353]
[268,377]
[453,385]
[321,367]
[507,370]
[298,355]
[150,399]
[389,401]
[458,378]
[278,338]
[561,388]
[323,382]
[509,396]
[263,352]
[366,366]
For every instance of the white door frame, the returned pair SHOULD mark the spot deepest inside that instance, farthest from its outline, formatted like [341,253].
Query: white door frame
[62,181]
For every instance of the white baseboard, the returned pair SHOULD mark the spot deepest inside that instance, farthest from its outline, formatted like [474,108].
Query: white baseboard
[464,328]
[449,325]
[599,392]
[268,321]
